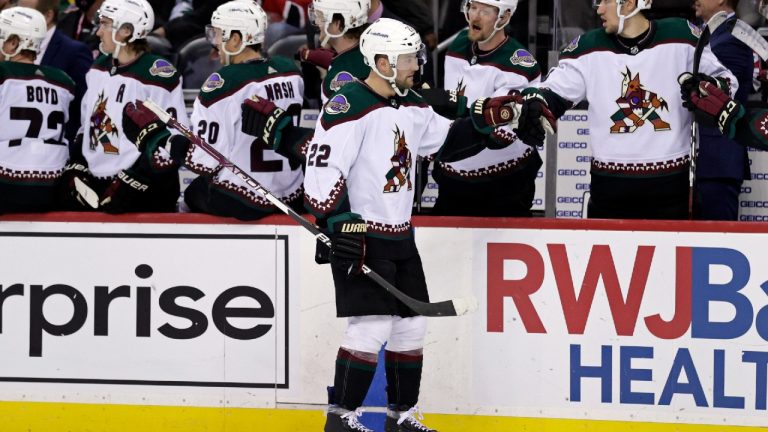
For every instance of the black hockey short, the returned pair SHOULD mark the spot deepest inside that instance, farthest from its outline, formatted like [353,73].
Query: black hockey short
[510,195]
[16,198]
[201,197]
[664,197]
[359,295]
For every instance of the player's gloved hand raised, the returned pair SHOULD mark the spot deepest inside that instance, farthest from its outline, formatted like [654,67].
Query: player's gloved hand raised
[487,113]
[320,57]
[124,190]
[263,119]
[447,103]
[141,125]
[347,232]
[712,106]
[536,120]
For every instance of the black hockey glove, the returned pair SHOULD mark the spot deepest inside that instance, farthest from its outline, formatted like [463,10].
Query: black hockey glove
[142,126]
[263,119]
[347,233]
[124,190]
[75,190]
[712,106]
[446,103]
[487,113]
[689,83]
[536,120]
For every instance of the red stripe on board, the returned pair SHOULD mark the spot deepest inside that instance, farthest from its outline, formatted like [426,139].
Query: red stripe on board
[418,221]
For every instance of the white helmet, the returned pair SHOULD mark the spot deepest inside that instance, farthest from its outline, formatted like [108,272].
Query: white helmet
[245,17]
[354,12]
[27,24]
[391,38]
[137,13]
[502,5]
[641,5]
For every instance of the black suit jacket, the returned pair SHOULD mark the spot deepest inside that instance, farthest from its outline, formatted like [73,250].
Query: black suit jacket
[720,157]
[75,59]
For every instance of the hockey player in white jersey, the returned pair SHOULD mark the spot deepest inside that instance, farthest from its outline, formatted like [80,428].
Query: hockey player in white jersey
[484,61]
[237,31]
[34,108]
[126,173]
[359,183]
[639,130]
[341,22]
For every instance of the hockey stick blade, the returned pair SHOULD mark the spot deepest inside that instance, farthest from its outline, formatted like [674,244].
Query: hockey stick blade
[751,38]
[452,307]
[86,193]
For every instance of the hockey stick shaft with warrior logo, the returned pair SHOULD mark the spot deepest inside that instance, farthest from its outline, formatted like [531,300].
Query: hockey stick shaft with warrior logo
[710,26]
[454,307]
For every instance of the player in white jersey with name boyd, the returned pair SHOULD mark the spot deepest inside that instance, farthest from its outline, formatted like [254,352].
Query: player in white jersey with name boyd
[34,105]
[127,176]
[639,130]
[484,61]
[237,31]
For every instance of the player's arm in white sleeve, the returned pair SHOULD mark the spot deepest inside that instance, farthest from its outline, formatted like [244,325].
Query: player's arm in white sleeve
[329,158]
[564,86]
[711,66]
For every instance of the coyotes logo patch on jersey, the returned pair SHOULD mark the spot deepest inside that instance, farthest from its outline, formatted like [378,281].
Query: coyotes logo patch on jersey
[399,175]
[637,106]
[102,127]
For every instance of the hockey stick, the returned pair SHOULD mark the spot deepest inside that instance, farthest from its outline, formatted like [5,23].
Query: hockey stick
[633,128]
[751,38]
[712,24]
[454,307]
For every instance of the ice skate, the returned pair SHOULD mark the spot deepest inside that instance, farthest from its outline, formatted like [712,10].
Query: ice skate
[341,420]
[406,421]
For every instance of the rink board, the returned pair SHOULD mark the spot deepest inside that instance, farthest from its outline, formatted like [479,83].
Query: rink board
[593,325]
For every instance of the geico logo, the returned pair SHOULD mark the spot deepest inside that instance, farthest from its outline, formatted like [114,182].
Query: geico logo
[582,186]
[753,218]
[168,298]
[755,204]
[587,159]
[759,176]
[428,199]
[582,131]
[571,117]
[432,186]
[187,181]
[538,201]
[574,173]
[540,174]
[567,213]
[572,145]
[746,189]
[570,200]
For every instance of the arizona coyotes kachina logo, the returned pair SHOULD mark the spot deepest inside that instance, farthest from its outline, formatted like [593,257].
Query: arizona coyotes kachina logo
[401,165]
[102,127]
[636,105]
